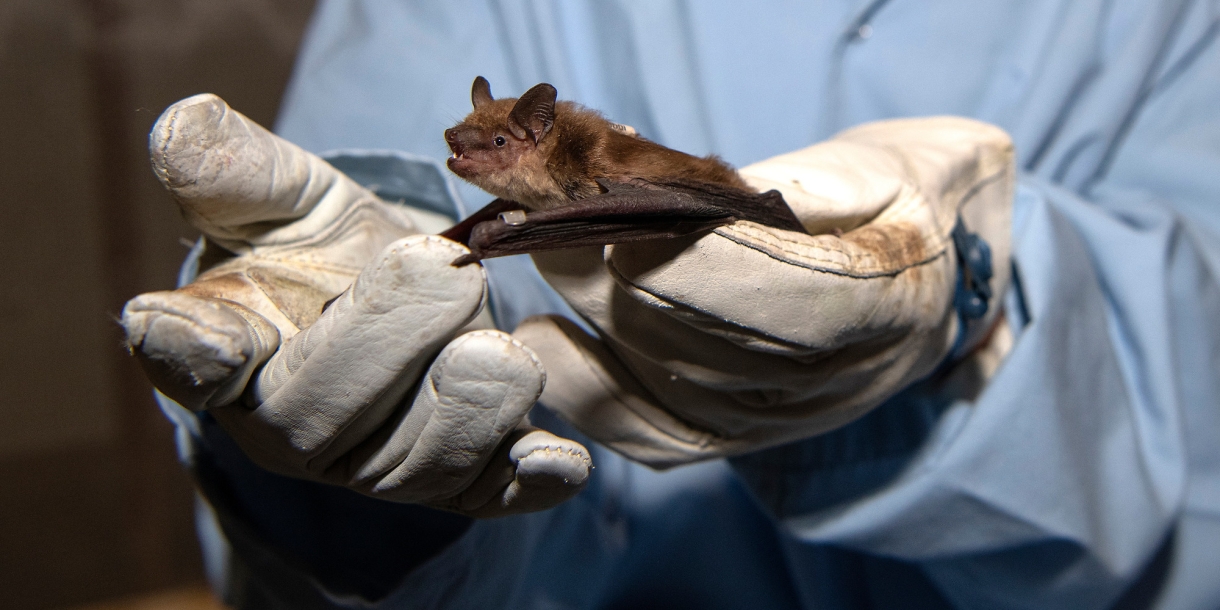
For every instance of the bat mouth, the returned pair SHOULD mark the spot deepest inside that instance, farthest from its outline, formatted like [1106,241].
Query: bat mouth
[457,160]
[457,163]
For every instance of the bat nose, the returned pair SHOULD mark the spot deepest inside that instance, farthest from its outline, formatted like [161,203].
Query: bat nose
[451,138]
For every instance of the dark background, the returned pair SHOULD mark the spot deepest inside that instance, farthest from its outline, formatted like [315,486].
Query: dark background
[93,504]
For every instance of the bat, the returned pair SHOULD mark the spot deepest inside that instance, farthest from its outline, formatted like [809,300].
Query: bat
[565,176]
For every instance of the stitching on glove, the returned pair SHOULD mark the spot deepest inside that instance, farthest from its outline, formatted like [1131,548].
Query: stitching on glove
[503,336]
[350,215]
[214,330]
[584,459]
[262,258]
[436,239]
[776,244]
[135,307]
[422,239]
[411,241]
[205,287]
[779,247]
[172,131]
[163,153]
[685,311]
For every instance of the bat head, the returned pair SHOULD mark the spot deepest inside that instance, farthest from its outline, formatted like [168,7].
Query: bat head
[499,147]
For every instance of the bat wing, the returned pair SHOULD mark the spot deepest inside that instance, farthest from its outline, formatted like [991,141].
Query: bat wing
[626,212]
[767,208]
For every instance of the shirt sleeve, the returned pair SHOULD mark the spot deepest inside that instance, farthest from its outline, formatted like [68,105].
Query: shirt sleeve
[1086,469]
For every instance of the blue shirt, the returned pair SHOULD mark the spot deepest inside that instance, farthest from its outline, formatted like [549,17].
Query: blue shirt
[1086,475]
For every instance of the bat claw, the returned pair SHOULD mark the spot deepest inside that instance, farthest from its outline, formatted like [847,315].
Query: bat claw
[465,259]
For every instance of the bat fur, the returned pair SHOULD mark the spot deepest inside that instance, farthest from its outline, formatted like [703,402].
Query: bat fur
[586,180]
[544,153]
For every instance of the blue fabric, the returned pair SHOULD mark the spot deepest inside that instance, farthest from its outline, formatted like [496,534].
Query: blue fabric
[1087,474]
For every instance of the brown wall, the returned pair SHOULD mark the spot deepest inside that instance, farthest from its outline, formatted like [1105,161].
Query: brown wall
[92,501]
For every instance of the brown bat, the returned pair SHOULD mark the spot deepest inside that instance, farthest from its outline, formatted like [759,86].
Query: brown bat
[565,176]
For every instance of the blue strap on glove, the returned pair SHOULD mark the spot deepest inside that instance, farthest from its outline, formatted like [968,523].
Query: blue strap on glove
[973,294]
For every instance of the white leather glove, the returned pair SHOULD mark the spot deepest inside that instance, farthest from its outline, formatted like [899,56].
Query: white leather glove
[376,393]
[750,336]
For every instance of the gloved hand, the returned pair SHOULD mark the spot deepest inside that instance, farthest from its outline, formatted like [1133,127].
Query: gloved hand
[749,336]
[375,393]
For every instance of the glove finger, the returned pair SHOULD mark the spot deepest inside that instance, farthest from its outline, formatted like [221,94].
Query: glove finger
[478,390]
[335,383]
[590,388]
[236,181]
[198,351]
[533,470]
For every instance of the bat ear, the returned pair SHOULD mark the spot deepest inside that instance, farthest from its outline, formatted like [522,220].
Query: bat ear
[534,113]
[480,93]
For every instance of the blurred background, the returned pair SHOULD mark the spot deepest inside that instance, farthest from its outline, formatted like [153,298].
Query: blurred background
[95,511]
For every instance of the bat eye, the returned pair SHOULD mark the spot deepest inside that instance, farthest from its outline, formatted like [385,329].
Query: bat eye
[499,140]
